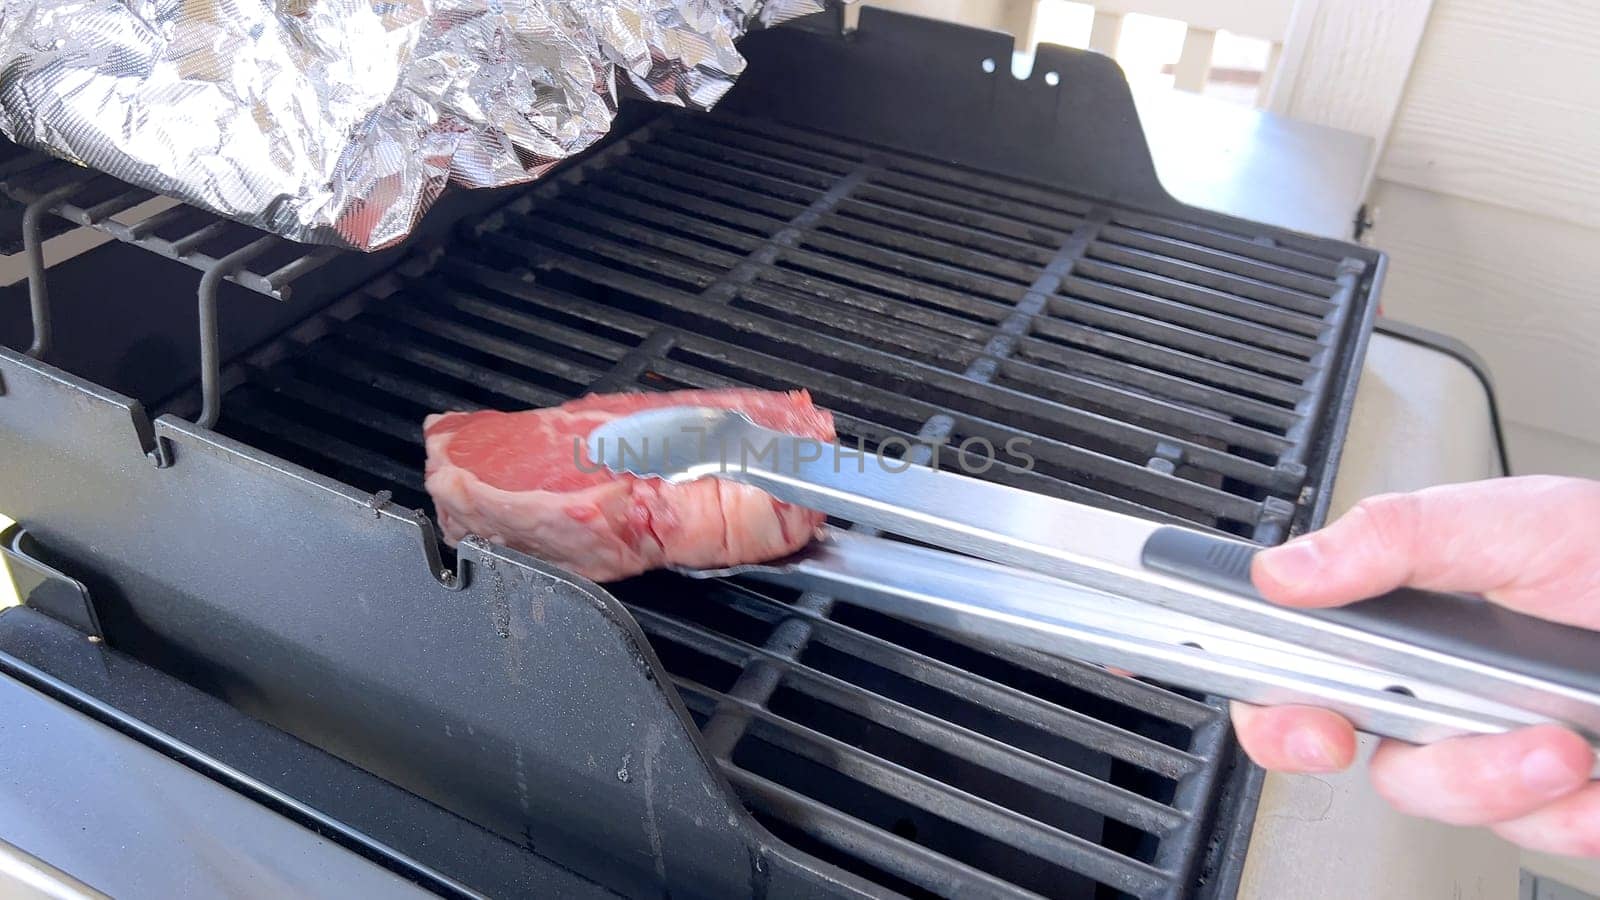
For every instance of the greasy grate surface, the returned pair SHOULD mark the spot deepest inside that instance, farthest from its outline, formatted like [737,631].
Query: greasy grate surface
[1146,365]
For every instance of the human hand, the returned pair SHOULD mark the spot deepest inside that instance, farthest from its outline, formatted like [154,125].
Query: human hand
[1530,544]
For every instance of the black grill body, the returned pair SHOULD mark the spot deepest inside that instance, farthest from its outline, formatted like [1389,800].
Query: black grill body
[946,258]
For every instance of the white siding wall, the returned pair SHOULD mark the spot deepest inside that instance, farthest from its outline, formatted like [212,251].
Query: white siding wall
[1488,200]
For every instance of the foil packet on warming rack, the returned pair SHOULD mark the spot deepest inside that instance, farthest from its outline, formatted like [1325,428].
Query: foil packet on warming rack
[340,121]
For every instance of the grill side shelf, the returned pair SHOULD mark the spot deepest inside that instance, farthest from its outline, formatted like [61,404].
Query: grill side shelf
[523,700]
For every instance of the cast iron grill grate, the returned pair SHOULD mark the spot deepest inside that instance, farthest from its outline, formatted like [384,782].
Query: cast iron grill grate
[1150,365]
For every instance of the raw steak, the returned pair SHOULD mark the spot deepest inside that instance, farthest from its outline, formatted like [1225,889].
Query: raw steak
[515,479]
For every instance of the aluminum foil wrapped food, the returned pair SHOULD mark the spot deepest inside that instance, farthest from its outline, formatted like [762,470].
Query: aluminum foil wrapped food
[340,121]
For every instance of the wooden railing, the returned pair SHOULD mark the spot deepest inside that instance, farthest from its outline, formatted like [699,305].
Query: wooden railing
[1267,20]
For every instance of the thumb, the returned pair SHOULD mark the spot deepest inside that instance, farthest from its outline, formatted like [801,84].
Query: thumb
[1531,544]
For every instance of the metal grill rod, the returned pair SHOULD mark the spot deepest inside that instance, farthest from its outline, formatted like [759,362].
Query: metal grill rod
[1038,839]
[210,352]
[1123,471]
[524,298]
[1114,743]
[20,179]
[33,245]
[880,848]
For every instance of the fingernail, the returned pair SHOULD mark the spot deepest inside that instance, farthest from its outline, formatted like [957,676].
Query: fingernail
[1294,563]
[1309,751]
[1544,772]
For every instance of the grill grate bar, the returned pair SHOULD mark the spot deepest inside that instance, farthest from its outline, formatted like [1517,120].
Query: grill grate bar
[698,210]
[815,273]
[985,817]
[683,142]
[926,227]
[739,180]
[1242,356]
[512,389]
[726,131]
[1204,276]
[785,663]
[885,851]
[437,292]
[957,391]
[1052,332]
[330,355]
[339,404]
[982,220]
[1114,741]
[1210,324]
[1173,420]
[888,852]
[754,204]
[1131,379]
[1024,767]
[1006,335]
[1259,247]
[628,370]
[833,391]
[823,319]
[861,257]
[955,300]
[974,747]
[1191,793]
[123,200]
[139,230]
[1318,285]
[745,181]
[1190,242]
[1303,325]
[929,172]
[864,232]
[1351,271]
[900,374]
[932,328]
[886,183]
[605,208]
[950,192]
[515,352]
[786,239]
[757,683]
[253,415]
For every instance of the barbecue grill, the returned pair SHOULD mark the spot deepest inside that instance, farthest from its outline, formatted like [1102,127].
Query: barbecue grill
[225,545]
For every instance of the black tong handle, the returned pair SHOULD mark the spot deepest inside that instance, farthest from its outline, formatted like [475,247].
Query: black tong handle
[1466,626]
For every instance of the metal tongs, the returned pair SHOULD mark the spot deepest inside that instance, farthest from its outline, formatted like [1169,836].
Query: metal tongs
[1170,603]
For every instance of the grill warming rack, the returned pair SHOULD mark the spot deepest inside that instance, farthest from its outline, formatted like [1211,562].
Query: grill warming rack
[1179,370]
[221,250]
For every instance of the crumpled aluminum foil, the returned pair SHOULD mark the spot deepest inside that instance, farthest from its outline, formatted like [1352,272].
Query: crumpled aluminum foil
[340,121]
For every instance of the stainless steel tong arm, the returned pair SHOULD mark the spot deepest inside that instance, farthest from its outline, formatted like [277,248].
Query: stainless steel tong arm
[1417,641]
[1002,604]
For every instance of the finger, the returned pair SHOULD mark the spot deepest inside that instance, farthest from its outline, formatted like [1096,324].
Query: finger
[1528,543]
[1569,827]
[1301,739]
[1483,780]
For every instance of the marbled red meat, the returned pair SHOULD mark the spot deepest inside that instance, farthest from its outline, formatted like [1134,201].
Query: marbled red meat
[525,480]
